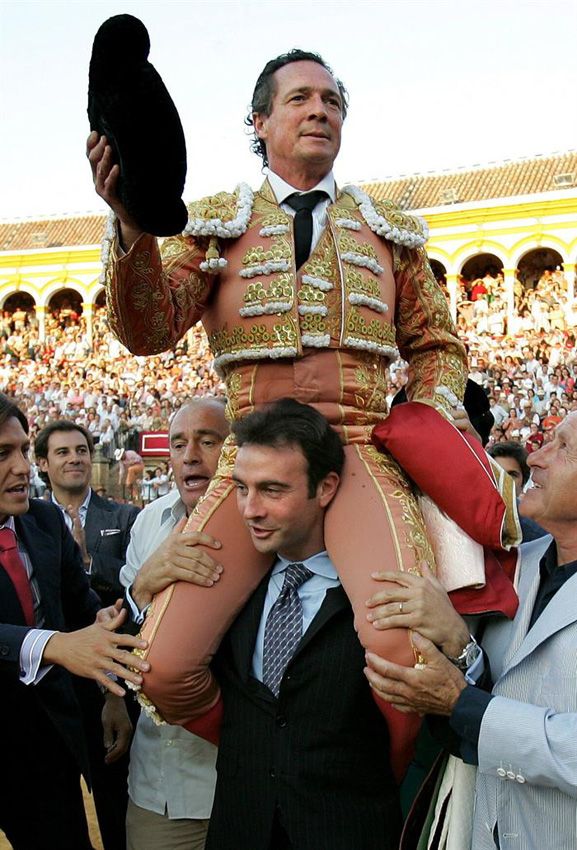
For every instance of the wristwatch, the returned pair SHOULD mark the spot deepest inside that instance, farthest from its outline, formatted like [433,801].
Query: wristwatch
[468,656]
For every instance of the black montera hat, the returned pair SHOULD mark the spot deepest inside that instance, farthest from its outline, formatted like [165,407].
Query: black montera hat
[130,105]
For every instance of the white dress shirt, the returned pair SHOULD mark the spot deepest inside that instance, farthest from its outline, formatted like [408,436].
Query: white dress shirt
[171,770]
[311,594]
[282,190]
[32,649]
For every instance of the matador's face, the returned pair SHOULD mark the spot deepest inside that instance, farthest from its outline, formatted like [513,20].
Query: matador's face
[303,131]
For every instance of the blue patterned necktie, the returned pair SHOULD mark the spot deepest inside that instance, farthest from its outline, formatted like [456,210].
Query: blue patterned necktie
[303,205]
[284,627]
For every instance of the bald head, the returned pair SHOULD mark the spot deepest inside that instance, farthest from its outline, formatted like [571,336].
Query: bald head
[196,435]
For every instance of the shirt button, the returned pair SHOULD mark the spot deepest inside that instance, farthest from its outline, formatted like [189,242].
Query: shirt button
[272,773]
[520,778]
[501,772]
[281,721]
[510,774]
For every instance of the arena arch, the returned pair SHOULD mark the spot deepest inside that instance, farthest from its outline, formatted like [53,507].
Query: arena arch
[529,244]
[535,262]
[439,270]
[99,300]
[67,301]
[19,298]
[58,285]
[480,265]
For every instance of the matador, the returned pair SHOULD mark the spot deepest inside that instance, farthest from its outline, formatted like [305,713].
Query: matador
[323,333]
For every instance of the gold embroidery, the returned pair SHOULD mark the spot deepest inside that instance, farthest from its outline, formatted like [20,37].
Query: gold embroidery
[233,388]
[279,250]
[371,377]
[175,247]
[394,216]
[282,334]
[319,267]
[274,218]
[226,461]
[222,206]
[342,212]
[310,294]
[373,331]
[279,288]
[313,324]
[348,243]
[357,282]
[416,536]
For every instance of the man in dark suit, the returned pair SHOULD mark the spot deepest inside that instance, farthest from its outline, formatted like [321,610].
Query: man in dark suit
[47,631]
[101,528]
[303,759]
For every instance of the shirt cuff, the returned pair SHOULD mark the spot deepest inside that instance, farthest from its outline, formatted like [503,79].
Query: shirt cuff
[476,670]
[31,653]
[136,614]
[466,720]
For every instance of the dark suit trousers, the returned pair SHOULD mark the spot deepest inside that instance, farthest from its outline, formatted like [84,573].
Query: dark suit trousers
[42,808]
[109,781]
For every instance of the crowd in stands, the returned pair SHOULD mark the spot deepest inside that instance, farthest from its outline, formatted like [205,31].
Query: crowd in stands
[529,374]
[100,385]
[482,305]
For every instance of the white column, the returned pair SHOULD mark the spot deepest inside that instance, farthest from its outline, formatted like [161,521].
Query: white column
[453,288]
[40,311]
[569,271]
[510,276]
[87,313]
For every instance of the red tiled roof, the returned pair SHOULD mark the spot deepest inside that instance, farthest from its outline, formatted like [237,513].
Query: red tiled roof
[480,183]
[416,191]
[25,234]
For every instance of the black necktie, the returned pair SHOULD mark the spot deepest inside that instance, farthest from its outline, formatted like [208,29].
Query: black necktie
[303,226]
[284,627]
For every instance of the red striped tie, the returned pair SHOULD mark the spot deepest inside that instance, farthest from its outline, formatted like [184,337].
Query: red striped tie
[11,561]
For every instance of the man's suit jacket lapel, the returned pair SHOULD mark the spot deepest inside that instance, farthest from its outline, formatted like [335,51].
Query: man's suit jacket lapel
[40,548]
[527,591]
[559,613]
[97,518]
[244,632]
[335,600]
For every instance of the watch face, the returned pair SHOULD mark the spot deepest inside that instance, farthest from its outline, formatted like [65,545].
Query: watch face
[472,652]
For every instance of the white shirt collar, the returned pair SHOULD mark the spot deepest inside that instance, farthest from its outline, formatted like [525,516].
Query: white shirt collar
[9,524]
[320,564]
[282,189]
[82,510]
[177,511]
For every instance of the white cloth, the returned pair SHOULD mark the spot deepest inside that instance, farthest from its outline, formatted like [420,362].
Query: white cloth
[171,770]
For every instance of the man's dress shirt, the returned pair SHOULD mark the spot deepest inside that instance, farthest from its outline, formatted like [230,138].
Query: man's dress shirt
[172,771]
[282,190]
[31,668]
[311,595]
